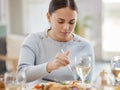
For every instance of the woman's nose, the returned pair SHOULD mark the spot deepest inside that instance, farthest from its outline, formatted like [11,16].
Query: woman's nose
[66,26]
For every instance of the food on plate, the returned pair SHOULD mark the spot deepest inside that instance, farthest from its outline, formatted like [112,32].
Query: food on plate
[72,85]
[117,87]
[2,85]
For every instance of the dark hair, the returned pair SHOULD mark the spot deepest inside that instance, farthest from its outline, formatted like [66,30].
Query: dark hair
[58,4]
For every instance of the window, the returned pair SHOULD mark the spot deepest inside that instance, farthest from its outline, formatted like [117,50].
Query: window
[111,29]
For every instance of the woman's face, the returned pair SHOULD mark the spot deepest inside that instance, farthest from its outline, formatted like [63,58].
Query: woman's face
[62,24]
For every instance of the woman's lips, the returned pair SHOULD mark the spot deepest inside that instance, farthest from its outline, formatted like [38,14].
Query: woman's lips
[65,33]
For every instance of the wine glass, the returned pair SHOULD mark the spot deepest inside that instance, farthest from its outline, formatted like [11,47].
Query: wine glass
[115,66]
[83,66]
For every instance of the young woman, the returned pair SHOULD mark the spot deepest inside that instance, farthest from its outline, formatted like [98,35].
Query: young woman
[47,54]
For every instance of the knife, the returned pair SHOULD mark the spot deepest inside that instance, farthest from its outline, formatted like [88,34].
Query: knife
[53,80]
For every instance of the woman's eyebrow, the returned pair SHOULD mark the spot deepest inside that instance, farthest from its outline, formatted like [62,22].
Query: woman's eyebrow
[72,19]
[64,19]
[61,19]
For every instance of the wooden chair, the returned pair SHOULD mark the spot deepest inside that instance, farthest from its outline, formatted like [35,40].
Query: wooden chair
[13,49]
[14,61]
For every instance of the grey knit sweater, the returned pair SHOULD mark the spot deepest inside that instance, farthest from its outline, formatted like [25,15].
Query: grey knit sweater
[38,49]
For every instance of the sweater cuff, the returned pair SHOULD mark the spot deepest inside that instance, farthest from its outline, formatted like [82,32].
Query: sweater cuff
[43,68]
[37,71]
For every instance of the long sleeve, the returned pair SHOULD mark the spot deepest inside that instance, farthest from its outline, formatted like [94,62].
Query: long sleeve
[27,60]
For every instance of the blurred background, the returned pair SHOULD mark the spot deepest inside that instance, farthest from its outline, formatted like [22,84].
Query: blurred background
[99,22]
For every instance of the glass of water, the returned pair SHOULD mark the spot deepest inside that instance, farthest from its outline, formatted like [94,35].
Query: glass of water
[12,82]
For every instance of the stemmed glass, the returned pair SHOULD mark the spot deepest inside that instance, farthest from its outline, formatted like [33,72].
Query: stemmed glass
[83,66]
[115,66]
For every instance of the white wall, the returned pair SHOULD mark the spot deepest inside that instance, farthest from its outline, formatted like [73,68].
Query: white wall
[15,10]
[93,8]
[35,16]
[30,16]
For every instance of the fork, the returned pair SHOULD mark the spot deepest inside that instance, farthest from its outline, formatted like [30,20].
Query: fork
[69,66]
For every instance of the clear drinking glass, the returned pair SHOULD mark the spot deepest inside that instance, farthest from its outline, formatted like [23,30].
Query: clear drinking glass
[13,83]
[83,66]
[115,67]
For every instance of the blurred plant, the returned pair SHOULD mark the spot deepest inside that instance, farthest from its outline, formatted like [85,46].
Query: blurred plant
[82,24]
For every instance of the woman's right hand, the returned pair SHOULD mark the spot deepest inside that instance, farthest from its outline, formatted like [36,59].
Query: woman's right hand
[60,60]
